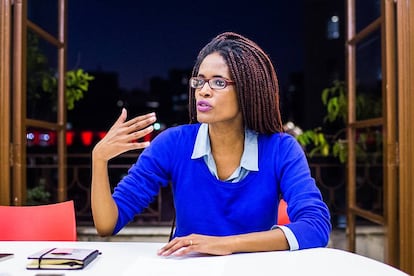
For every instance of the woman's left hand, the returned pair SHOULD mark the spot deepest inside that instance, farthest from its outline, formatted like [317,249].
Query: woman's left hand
[197,243]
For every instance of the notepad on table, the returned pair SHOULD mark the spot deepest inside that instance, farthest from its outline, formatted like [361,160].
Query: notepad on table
[62,258]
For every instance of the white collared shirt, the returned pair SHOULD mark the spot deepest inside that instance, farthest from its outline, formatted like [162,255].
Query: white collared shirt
[248,162]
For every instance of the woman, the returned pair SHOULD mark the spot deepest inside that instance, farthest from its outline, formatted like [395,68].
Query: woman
[228,168]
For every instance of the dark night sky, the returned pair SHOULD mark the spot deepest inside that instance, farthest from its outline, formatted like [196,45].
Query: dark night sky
[142,39]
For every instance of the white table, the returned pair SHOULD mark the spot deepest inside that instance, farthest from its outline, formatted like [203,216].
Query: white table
[138,258]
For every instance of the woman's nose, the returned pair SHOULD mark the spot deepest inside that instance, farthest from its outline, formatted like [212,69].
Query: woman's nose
[205,91]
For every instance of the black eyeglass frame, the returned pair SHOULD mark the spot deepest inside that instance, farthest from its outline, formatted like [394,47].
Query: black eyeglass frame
[226,82]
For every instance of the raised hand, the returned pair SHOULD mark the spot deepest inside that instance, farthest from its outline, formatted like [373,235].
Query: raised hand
[123,136]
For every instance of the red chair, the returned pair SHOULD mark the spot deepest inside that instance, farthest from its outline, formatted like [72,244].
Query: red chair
[52,222]
[282,215]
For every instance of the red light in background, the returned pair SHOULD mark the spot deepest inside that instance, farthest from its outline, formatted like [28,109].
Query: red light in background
[49,138]
[86,137]
[70,135]
[101,134]
[147,138]
[52,138]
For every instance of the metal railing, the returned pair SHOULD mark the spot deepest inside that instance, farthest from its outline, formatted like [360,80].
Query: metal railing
[329,177]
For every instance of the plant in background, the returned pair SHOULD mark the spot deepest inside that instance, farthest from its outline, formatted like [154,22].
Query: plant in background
[42,80]
[38,194]
[334,98]
[77,83]
[318,142]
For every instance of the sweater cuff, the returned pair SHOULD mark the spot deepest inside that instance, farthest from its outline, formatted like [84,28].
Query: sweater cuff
[290,237]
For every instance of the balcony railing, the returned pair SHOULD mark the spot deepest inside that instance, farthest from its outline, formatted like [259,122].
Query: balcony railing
[329,176]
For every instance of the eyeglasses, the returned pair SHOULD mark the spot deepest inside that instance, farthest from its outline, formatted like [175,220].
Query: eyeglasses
[216,83]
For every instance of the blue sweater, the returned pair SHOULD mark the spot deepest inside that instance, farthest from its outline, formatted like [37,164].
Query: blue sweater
[205,205]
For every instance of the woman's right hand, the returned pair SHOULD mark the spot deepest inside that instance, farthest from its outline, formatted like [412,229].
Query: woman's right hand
[123,136]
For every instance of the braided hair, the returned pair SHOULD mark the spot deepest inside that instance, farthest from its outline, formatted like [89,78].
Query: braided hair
[255,78]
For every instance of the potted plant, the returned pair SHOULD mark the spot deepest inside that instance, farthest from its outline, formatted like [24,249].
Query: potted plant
[319,141]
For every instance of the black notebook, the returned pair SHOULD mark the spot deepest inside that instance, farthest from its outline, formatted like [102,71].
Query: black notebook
[62,258]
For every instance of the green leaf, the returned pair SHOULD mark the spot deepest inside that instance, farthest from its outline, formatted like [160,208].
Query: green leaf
[325,150]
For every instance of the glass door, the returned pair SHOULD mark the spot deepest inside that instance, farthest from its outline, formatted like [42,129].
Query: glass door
[371,124]
[38,102]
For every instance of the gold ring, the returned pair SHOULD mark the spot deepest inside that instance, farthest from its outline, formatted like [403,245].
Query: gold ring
[191,242]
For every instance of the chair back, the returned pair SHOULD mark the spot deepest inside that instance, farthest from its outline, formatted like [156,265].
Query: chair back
[282,215]
[51,222]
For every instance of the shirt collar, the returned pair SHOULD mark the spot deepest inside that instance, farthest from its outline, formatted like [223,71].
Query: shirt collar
[250,156]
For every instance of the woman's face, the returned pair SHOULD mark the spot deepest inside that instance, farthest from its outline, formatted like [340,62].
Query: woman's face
[216,107]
